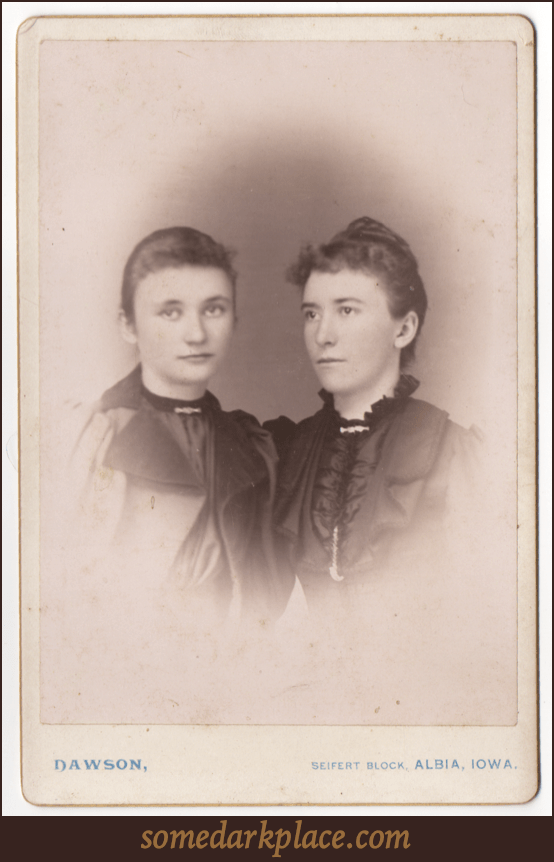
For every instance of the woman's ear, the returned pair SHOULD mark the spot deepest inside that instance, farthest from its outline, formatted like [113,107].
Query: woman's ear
[407,330]
[127,328]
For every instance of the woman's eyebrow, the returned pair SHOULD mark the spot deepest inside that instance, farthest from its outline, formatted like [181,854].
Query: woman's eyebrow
[164,302]
[306,305]
[349,299]
[218,298]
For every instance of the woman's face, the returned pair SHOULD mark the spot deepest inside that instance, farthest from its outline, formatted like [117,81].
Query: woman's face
[352,339]
[183,324]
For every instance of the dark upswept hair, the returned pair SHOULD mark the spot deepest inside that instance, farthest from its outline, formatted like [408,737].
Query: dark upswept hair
[369,246]
[172,248]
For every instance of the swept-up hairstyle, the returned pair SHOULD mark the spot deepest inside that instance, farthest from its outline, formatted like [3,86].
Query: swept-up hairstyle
[172,248]
[369,246]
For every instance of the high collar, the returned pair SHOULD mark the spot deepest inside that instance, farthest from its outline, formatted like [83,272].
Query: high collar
[405,387]
[131,392]
[179,405]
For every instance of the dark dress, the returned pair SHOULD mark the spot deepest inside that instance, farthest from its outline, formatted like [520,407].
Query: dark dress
[164,569]
[225,462]
[350,491]
[384,523]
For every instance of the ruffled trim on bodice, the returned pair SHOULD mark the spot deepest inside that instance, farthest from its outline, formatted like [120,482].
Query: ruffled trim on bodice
[351,450]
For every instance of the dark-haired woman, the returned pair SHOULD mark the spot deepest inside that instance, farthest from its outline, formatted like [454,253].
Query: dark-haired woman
[376,513]
[171,529]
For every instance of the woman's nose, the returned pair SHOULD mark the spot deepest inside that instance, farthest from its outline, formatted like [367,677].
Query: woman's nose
[193,329]
[325,332]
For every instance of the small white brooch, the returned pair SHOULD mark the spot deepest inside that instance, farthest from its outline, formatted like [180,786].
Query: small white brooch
[353,429]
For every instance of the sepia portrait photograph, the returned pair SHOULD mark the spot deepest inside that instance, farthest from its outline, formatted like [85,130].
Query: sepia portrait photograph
[275,362]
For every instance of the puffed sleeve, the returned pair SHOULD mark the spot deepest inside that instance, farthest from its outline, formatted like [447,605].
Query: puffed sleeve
[96,491]
[479,562]
[465,480]
[282,430]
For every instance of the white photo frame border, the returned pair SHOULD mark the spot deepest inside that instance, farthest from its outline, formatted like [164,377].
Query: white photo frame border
[39,742]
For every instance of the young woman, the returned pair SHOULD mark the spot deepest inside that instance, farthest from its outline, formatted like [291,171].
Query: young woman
[376,511]
[172,535]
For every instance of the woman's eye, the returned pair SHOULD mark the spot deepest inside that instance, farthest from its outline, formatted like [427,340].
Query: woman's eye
[170,313]
[346,309]
[215,310]
[310,315]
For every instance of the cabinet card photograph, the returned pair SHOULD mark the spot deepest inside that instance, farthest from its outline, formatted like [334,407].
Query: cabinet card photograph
[277,363]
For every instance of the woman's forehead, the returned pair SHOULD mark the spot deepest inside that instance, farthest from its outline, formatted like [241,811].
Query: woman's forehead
[343,284]
[187,284]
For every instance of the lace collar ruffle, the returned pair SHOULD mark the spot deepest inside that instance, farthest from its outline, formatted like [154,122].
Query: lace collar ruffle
[405,387]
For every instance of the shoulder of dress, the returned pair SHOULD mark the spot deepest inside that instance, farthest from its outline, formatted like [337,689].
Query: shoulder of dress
[428,411]
[472,434]
[466,442]
[246,421]
[424,408]
[125,393]
[282,431]
[82,413]
[86,428]
[89,424]
[414,441]
[433,444]
[242,425]
[289,435]
[240,416]
[283,422]
[99,411]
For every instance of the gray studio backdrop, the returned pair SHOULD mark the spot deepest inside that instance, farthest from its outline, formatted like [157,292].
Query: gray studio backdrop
[264,146]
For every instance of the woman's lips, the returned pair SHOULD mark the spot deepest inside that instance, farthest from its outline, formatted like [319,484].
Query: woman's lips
[197,357]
